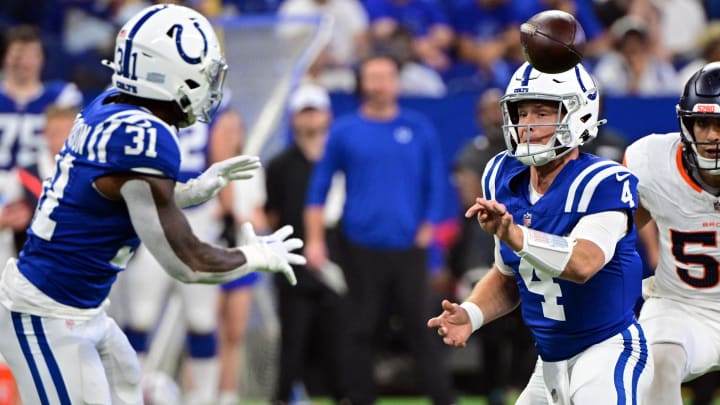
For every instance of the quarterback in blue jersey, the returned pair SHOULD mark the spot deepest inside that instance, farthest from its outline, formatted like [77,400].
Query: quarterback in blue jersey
[116,184]
[571,264]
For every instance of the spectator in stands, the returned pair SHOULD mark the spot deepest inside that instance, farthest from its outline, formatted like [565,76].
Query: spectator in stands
[394,179]
[426,21]
[311,312]
[485,30]
[348,42]
[416,79]
[632,69]
[681,23]
[250,6]
[89,35]
[598,40]
[709,51]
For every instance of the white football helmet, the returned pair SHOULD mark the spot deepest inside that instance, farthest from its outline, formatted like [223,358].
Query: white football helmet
[578,101]
[170,53]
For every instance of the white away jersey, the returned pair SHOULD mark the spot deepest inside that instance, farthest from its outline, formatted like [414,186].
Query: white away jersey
[687,216]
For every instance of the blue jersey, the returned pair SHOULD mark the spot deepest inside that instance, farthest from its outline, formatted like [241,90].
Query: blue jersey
[21,125]
[564,317]
[194,144]
[79,240]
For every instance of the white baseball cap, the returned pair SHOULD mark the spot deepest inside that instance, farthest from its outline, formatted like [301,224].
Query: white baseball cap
[309,95]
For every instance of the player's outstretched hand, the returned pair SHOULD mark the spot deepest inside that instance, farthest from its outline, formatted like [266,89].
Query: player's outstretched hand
[212,180]
[453,324]
[494,218]
[271,253]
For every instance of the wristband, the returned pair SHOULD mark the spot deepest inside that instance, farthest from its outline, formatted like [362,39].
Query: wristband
[475,313]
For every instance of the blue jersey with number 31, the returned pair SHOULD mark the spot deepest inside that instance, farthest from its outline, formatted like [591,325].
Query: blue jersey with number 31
[79,240]
[564,317]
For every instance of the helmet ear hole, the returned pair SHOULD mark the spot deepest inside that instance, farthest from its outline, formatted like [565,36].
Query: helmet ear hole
[192,84]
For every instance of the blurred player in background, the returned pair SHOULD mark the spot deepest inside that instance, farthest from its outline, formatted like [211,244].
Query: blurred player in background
[58,125]
[115,183]
[147,285]
[236,297]
[679,191]
[572,264]
[23,100]
[311,313]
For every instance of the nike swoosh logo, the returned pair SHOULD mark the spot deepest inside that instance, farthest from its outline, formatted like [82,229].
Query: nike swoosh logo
[621,177]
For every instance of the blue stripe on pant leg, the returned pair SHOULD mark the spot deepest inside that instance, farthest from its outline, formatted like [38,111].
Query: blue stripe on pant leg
[50,360]
[620,367]
[640,365]
[22,339]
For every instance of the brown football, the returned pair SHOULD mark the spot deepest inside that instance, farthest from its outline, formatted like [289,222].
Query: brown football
[553,41]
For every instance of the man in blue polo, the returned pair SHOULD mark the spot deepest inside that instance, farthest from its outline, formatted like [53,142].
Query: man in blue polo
[394,191]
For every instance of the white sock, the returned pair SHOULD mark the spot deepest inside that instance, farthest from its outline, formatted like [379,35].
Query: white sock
[229,398]
[205,379]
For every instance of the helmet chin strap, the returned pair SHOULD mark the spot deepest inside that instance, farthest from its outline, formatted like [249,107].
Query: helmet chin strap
[537,154]
[708,165]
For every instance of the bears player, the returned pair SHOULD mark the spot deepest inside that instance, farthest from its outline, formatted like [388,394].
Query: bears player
[571,264]
[146,285]
[679,190]
[114,185]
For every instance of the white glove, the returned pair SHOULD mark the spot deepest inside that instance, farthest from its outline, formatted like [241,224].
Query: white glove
[212,180]
[271,253]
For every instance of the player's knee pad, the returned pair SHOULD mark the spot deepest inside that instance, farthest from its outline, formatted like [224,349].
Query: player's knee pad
[202,345]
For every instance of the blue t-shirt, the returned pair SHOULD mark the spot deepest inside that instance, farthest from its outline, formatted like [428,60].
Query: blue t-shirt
[79,240]
[564,317]
[393,173]
[418,16]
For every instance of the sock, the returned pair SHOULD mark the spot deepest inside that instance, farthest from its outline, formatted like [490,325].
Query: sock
[229,398]
[205,379]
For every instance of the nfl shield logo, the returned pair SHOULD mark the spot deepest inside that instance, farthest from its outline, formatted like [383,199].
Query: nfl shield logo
[527,219]
[716,205]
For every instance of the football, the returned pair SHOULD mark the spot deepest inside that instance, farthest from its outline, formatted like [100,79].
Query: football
[552,41]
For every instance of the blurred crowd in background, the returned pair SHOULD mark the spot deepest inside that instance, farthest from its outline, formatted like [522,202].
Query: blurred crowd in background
[646,47]
[442,48]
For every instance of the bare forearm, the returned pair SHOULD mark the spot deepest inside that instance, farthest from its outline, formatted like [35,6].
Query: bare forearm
[314,225]
[199,256]
[496,294]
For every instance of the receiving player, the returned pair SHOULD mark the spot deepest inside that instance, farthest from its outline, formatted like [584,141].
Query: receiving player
[115,184]
[572,264]
[679,189]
